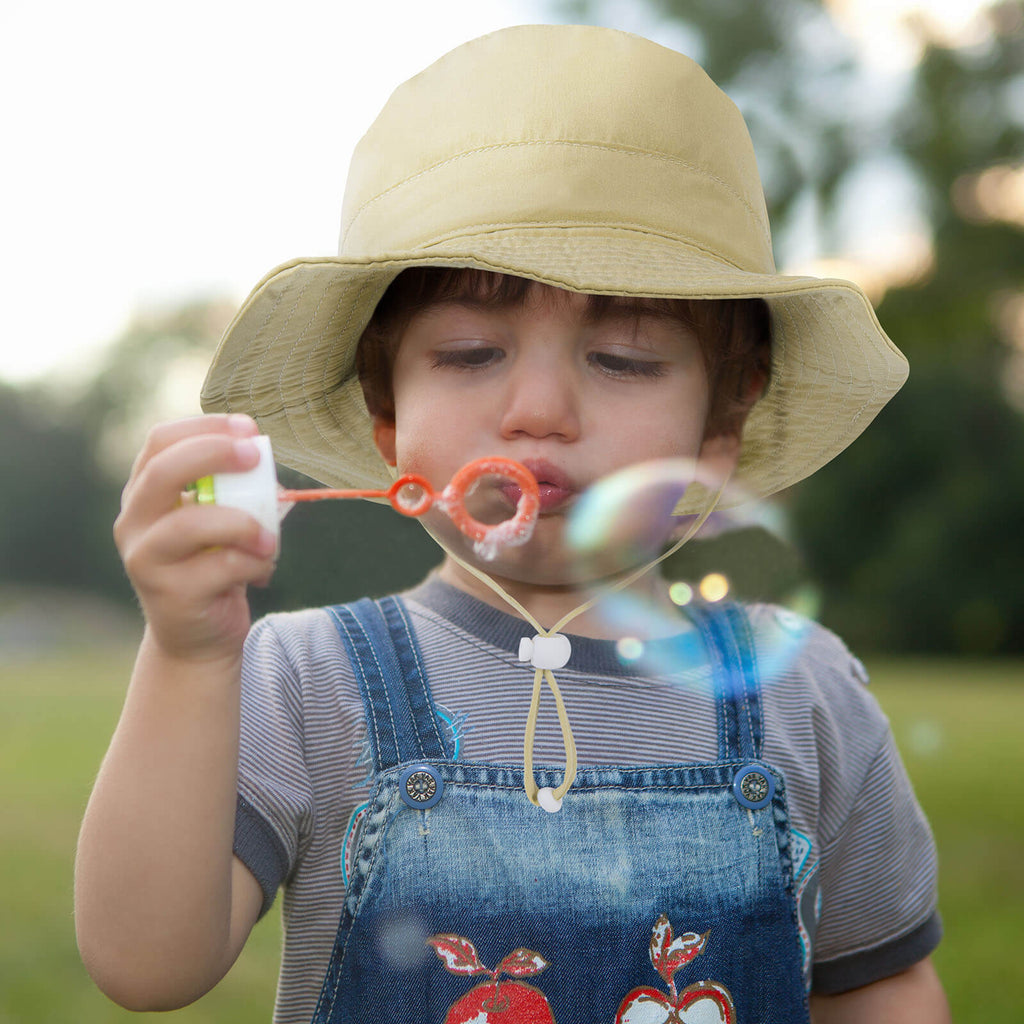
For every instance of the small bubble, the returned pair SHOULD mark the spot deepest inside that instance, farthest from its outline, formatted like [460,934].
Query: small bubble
[630,649]
[714,587]
[411,497]
[925,737]
[789,621]
[680,594]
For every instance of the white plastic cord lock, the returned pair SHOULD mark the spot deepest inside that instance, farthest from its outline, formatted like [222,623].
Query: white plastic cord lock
[546,798]
[545,651]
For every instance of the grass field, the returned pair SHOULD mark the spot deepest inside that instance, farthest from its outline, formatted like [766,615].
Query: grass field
[959,725]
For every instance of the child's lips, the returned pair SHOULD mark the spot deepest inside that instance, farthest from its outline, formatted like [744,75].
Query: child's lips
[555,488]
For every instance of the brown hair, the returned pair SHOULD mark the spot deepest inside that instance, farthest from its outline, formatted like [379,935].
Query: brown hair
[734,334]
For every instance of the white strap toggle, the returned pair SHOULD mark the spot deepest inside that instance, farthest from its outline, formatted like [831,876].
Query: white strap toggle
[546,798]
[545,651]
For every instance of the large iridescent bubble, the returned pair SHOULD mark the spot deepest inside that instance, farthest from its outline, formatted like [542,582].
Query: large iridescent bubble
[742,551]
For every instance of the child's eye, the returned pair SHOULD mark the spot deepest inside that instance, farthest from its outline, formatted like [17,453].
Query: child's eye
[467,358]
[624,366]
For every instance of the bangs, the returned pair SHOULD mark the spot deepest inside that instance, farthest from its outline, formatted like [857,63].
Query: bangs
[734,334]
[419,288]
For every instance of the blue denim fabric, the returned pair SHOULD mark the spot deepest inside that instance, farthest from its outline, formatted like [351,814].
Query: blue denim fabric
[631,850]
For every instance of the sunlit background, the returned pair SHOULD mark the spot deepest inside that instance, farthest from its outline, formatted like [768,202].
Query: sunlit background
[159,159]
[157,153]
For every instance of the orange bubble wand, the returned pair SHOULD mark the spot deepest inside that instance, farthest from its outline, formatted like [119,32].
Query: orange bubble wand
[257,492]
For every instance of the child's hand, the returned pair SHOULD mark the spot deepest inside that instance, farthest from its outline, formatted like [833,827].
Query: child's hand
[190,563]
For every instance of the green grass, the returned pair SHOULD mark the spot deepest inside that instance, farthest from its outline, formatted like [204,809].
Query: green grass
[56,717]
[958,724]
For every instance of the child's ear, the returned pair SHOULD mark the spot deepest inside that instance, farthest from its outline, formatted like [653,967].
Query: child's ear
[384,439]
[720,453]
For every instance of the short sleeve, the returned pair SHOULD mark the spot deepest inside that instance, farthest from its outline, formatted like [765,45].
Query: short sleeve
[275,795]
[878,882]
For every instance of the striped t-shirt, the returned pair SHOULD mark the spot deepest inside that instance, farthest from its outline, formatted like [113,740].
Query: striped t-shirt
[865,869]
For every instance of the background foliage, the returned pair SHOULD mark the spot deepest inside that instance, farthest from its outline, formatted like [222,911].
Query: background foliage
[912,535]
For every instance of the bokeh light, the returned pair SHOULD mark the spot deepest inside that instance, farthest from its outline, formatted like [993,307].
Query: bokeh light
[714,587]
[629,649]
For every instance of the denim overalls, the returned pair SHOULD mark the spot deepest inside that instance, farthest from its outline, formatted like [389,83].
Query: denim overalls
[655,894]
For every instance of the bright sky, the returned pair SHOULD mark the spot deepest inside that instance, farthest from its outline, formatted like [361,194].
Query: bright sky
[159,152]
[156,152]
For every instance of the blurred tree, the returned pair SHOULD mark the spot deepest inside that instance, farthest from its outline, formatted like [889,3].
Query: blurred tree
[55,505]
[937,563]
[70,454]
[914,533]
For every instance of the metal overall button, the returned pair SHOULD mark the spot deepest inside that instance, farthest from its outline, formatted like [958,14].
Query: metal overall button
[420,786]
[753,786]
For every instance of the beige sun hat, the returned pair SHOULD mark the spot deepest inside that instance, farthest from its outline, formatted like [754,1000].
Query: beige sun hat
[585,158]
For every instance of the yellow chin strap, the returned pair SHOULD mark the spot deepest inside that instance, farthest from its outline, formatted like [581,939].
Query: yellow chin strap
[538,653]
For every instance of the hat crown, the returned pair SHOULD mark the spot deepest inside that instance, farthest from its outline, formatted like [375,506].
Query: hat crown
[547,126]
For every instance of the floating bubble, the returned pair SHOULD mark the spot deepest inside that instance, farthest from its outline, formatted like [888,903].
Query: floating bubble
[655,640]
[779,638]
[925,738]
[740,553]
[714,587]
[629,649]
[629,517]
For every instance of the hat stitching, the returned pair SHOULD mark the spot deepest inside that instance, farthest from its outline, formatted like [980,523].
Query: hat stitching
[824,323]
[761,219]
[640,229]
[330,408]
[314,349]
[233,365]
[287,320]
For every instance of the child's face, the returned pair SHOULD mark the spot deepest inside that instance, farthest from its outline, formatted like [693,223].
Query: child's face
[572,397]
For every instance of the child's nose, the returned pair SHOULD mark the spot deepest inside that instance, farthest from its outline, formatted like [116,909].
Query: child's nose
[542,401]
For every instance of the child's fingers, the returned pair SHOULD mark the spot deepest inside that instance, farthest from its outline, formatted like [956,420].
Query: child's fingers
[157,488]
[214,571]
[164,435]
[189,530]
[197,608]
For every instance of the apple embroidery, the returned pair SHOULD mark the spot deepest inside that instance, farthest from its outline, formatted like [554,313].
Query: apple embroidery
[494,1002]
[704,1002]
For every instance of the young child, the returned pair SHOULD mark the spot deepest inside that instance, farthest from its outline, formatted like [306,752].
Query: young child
[555,250]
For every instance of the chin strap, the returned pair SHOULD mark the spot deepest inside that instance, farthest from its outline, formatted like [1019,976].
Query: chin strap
[550,649]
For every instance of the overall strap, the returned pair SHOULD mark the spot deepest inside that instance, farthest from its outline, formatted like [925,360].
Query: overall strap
[729,643]
[401,720]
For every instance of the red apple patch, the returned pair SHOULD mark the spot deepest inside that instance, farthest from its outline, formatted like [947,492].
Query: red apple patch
[704,1002]
[494,1002]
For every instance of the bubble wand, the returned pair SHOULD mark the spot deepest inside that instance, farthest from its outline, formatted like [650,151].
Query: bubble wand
[257,492]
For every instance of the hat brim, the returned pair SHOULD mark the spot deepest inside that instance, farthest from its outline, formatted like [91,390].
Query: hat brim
[288,358]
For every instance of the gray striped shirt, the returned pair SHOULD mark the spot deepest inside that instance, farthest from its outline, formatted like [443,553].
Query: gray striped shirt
[862,839]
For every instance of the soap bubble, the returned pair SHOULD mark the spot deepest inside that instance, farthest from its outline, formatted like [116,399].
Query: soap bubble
[740,553]
[629,517]
[925,737]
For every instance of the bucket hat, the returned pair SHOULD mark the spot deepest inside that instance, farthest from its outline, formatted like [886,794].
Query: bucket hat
[584,158]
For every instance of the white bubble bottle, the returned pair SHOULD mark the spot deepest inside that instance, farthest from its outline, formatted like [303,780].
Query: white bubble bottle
[254,491]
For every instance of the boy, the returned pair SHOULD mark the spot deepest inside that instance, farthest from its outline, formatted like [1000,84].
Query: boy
[554,249]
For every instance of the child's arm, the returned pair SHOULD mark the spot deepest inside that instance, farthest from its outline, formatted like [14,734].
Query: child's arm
[162,906]
[914,996]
